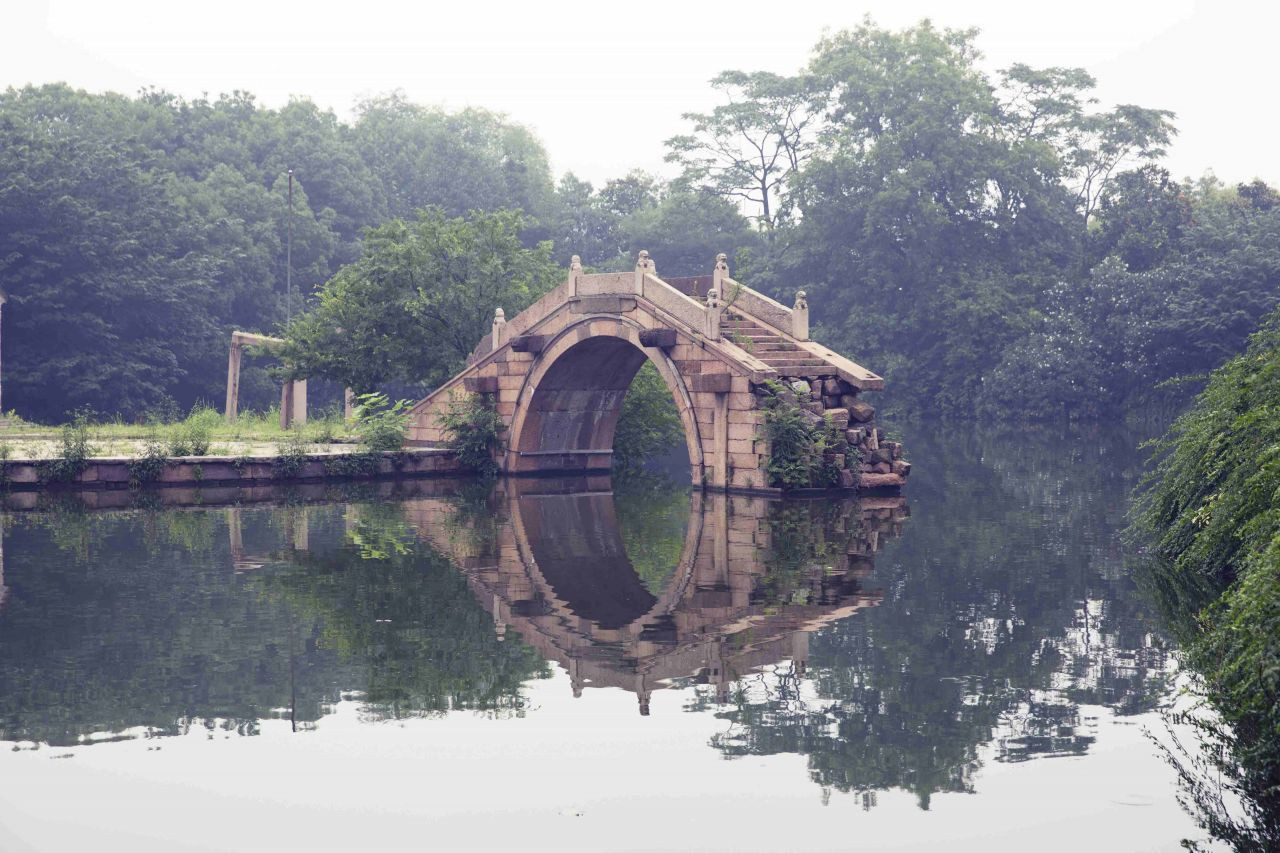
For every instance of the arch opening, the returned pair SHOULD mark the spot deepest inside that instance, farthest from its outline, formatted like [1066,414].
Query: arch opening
[576,398]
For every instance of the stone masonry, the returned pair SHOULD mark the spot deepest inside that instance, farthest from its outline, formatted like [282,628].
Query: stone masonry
[558,372]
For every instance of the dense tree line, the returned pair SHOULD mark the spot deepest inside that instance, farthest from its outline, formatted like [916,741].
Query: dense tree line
[991,243]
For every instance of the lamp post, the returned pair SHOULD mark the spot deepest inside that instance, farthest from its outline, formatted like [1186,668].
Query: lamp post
[288,259]
[3,420]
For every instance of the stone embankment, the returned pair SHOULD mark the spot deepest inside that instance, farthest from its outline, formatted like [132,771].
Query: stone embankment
[126,472]
[832,401]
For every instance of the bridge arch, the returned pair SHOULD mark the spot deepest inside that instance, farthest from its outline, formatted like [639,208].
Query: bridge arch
[571,398]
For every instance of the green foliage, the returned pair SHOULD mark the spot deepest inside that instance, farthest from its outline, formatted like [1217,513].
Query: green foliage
[191,437]
[419,299]
[291,455]
[750,148]
[801,446]
[74,450]
[382,424]
[150,465]
[135,233]
[473,425]
[353,464]
[1211,513]
[649,423]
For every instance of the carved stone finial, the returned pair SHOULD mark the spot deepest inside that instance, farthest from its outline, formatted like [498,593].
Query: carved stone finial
[499,328]
[575,264]
[800,317]
[722,262]
[713,298]
[644,263]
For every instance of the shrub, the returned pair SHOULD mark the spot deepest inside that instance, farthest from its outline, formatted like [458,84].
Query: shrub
[148,467]
[189,438]
[73,453]
[381,424]
[801,450]
[353,464]
[473,425]
[291,455]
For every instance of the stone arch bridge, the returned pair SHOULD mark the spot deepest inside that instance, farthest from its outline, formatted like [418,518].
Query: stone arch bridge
[559,371]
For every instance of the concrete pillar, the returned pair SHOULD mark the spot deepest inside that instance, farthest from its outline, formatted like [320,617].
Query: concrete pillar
[719,518]
[348,404]
[800,317]
[800,651]
[293,404]
[301,538]
[233,381]
[575,678]
[3,300]
[4,590]
[499,624]
[642,693]
[299,402]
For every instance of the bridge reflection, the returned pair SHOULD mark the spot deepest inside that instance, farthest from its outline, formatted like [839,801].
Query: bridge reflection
[755,577]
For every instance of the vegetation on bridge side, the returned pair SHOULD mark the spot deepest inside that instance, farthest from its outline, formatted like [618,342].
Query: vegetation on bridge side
[1212,515]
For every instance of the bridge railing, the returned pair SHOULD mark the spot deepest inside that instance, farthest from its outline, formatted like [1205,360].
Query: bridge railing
[685,299]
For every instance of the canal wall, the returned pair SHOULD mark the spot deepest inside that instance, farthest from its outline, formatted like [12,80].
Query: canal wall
[107,473]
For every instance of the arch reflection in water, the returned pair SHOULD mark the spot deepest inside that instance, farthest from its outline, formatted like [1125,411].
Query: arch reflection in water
[753,580]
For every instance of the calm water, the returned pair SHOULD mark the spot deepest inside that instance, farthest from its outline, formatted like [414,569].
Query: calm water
[593,666]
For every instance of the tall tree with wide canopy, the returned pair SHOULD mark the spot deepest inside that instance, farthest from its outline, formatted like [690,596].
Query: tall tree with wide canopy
[419,300]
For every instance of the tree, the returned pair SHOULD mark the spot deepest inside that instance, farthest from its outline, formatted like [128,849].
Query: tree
[904,216]
[1101,144]
[112,297]
[470,160]
[685,231]
[1142,215]
[649,422]
[417,302]
[749,148]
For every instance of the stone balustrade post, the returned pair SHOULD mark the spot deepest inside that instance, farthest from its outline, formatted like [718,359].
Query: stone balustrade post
[712,329]
[720,272]
[499,328]
[800,317]
[644,265]
[575,270]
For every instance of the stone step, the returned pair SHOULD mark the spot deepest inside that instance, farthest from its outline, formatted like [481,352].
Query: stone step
[780,363]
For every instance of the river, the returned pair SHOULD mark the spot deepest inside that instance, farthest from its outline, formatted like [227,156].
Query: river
[595,665]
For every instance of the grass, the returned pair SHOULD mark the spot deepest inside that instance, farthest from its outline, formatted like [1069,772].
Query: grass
[252,431]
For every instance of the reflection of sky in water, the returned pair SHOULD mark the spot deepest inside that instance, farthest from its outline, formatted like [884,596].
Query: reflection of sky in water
[429,685]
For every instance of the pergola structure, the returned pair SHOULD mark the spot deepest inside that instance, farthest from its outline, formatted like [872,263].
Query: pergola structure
[293,396]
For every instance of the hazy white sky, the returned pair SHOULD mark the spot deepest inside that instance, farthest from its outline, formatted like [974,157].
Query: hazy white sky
[603,84]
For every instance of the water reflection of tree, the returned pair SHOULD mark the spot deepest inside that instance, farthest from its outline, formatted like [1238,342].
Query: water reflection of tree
[117,621]
[1005,610]
[404,616]
[653,518]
